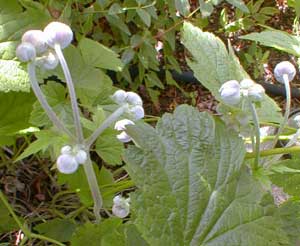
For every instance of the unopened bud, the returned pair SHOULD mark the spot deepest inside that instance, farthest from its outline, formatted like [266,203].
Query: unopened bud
[256,93]
[66,164]
[119,96]
[26,52]
[121,126]
[134,99]
[283,68]
[37,39]
[137,112]
[49,61]
[230,92]
[58,33]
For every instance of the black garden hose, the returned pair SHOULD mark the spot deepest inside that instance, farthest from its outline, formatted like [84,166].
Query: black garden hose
[271,89]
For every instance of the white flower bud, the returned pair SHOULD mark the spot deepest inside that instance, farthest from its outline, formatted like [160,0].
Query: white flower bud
[26,52]
[66,164]
[137,111]
[81,156]
[67,149]
[121,126]
[256,93]
[119,96]
[124,137]
[121,207]
[58,33]
[230,92]
[37,39]
[134,99]
[282,68]
[246,84]
[49,61]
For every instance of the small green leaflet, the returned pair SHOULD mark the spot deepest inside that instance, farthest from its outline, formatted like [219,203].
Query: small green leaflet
[98,55]
[145,16]
[8,223]
[58,229]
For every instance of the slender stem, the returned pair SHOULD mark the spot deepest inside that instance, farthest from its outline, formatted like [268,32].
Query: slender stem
[75,108]
[294,139]
[94,187]
[42,99]
[257,133]
[276,151]
[287,108]
[44,238]
[106,123]
[24,228]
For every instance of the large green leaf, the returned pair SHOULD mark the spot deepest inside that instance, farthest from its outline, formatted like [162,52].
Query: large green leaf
[13,23]
[213,65]
[191,188]
[277,39]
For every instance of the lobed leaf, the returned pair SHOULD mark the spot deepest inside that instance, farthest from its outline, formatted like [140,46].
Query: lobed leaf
[191,187]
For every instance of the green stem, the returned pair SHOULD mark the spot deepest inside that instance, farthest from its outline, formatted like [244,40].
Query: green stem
[106,123]
[94,187]
[276,151]
[24,228]
[42,99]
[257,133]
[72,93]
[287,108]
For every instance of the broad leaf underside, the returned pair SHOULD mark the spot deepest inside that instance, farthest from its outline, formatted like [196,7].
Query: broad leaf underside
[192,187]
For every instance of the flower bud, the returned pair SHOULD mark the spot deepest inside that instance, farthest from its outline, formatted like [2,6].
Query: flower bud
[49,61]
[282,68]
[119,96]
[256,93]
[246,84]
[26,52]
[81,156]
[134,99]
[67,149]
[121,207]
[121,126]
[230,92]
[37,39]
[66,164]
[58,33]
[137,111]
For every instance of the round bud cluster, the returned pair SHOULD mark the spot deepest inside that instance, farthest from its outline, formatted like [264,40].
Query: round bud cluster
[121,206]
[282,69]
[134,101]
[39,43]
[70,159]
[121,126]
[232,91]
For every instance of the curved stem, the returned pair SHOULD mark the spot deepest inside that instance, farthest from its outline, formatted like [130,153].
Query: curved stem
[257,133]
[294,139]
[94,187]
[105,124]
[42,100]
[276,151]
[75,109]
[287,108]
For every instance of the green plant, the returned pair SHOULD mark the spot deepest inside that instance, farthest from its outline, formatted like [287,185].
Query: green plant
[189,179]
